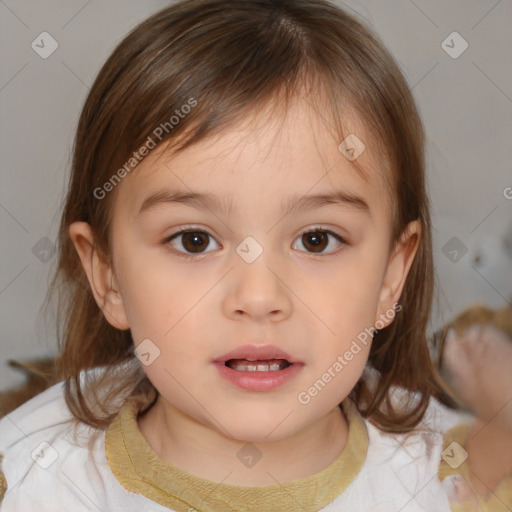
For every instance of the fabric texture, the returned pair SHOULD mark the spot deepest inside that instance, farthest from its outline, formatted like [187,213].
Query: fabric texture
[53,463]
[140,470]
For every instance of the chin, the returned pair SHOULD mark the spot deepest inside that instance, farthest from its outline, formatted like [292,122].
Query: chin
[258,426]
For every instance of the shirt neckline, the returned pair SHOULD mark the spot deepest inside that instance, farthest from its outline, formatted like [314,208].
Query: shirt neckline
[139,469]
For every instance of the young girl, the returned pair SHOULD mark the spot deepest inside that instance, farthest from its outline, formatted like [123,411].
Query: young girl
[246,275]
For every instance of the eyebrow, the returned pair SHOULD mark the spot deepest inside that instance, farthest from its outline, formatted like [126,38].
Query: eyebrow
[293,204]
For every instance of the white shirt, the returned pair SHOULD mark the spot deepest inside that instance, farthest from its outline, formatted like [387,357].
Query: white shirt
[50,467]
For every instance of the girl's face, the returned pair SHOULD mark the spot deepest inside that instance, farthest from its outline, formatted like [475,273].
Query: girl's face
[246,276]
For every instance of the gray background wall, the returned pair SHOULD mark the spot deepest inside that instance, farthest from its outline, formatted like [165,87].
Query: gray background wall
[465,100]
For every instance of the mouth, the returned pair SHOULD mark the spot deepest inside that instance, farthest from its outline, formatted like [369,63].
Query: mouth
[258,368]
[257,365]
[257,358]
[258,375]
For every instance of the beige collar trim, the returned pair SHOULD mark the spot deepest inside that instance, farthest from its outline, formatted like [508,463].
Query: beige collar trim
[138,468]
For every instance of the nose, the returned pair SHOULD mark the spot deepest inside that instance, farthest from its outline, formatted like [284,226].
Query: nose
[258,291]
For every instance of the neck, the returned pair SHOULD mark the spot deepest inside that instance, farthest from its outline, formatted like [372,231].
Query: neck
[179,439]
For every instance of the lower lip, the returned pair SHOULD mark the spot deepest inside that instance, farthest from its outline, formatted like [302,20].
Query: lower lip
[258,381]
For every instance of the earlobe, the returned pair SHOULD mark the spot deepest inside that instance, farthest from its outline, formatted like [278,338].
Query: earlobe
[399,264]
[99,274]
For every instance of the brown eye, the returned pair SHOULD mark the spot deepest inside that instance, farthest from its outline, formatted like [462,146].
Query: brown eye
[195,241]
[318,240]
[190,242]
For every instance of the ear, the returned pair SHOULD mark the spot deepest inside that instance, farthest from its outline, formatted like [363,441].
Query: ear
[100,275]
[399,264]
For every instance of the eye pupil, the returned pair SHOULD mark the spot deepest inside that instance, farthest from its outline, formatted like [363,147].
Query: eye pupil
[317,239]
[194,240]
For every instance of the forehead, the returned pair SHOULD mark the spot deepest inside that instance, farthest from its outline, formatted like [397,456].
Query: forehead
[270,151]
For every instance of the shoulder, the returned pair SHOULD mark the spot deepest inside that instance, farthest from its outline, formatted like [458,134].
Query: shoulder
[50,461]
[399,471]
[27,433]
[44,411]
[35,441]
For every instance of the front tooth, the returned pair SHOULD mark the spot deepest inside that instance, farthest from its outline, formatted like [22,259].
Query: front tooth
[261,367]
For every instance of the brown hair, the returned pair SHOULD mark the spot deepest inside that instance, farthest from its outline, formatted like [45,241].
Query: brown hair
[233,56]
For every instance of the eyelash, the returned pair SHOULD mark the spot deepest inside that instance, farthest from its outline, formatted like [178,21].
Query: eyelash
[190,256]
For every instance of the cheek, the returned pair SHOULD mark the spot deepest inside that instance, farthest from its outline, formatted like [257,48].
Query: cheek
[345,294]
[173,307]
[158,296]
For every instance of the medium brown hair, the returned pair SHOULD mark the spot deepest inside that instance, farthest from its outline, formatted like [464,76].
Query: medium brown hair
[234,56]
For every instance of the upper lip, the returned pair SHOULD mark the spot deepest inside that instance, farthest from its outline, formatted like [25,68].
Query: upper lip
[256,353]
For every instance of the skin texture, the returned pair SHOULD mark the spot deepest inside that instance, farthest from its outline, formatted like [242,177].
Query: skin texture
[308,304]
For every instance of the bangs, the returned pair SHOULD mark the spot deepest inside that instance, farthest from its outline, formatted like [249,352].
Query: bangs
[237,59]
